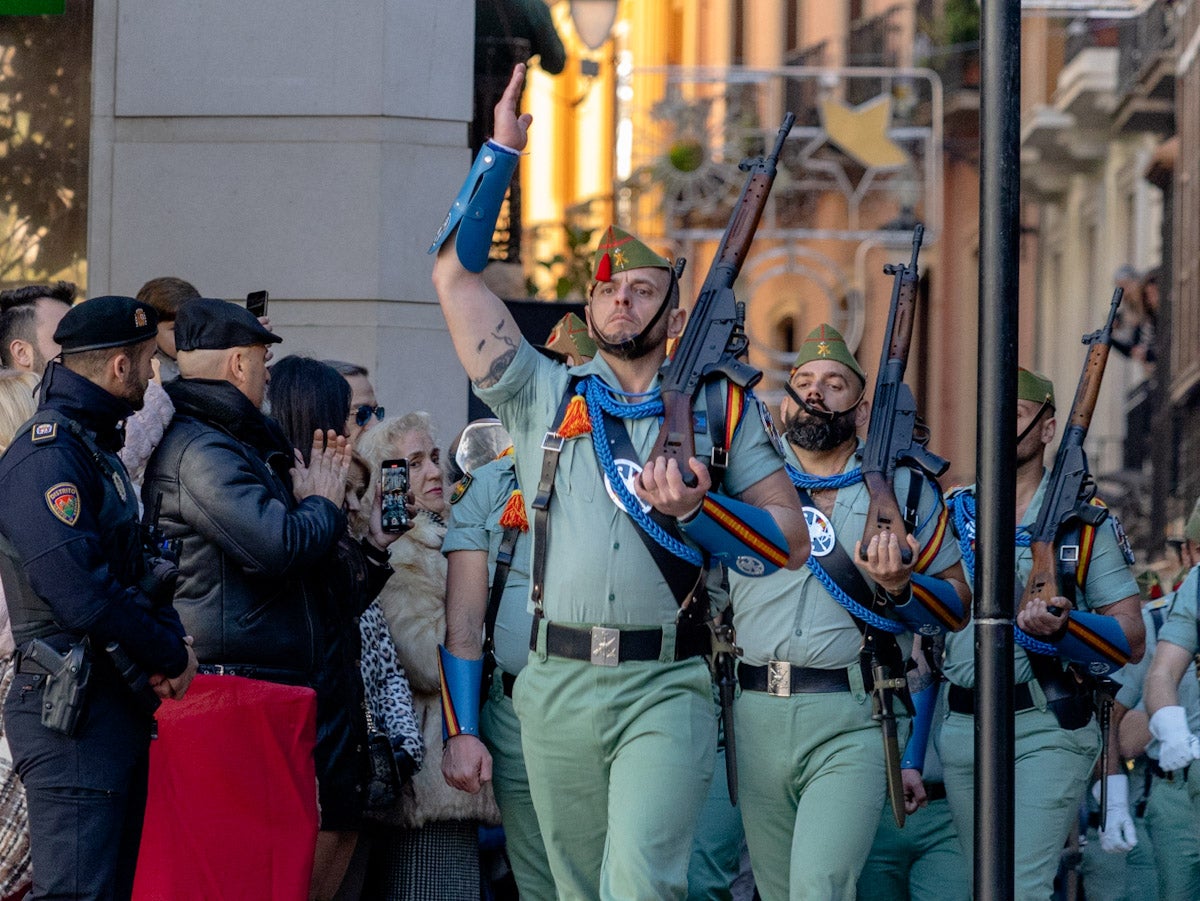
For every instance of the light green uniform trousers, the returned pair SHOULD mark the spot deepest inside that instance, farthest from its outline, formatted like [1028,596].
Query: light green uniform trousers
[921,862]
[501,732]
[1053,769]
[717,848]
[619,762]
[1173,820]
[811,784]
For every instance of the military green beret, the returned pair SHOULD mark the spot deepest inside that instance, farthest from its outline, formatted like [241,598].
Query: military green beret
[826,343]
[1034,387]
[619,251]
[1191,531]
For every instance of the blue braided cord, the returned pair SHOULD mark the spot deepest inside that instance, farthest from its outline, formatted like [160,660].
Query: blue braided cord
[855,609]
[595,391]
[632,504]
[963,507]
[817,483]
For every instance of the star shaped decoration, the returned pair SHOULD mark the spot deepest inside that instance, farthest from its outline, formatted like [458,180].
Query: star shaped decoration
[861,132]
[618,258]
[822,349]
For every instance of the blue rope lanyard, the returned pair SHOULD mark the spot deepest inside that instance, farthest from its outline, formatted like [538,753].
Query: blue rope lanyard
[600,399]
[963,508]
[855,609]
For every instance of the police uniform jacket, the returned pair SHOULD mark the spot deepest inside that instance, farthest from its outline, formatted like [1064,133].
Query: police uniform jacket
[247,545]
[73,522]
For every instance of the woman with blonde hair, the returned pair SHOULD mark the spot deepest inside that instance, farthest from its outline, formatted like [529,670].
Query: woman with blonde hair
[17,406]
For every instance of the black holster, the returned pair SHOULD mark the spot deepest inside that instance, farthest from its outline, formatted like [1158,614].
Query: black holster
[67,677]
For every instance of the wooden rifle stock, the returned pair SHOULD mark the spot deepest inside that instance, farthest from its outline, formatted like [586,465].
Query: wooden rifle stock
[714,337]
[1068,490]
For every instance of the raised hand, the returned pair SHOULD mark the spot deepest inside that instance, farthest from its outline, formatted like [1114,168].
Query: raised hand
[511,126]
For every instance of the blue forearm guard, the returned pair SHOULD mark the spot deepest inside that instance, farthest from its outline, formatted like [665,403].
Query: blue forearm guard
[461,684]
[914,752]
[740,535]
[1095,640]
[934,607]
[477,205]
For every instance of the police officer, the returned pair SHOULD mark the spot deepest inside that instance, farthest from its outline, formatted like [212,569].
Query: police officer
[618,725]
[811,760]
[86,595]
[1056,735]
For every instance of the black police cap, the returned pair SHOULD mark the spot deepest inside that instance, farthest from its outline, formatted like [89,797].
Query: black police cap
[107,321]
[205,323]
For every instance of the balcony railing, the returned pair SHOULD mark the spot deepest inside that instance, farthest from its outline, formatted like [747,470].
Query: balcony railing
[801,95]
[1142,40]
[1087,34]
[872,42]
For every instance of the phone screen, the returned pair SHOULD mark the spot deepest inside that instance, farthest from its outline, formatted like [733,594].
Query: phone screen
[395,487]
[256,303]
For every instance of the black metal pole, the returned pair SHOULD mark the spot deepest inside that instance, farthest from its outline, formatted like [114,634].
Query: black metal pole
[999,234]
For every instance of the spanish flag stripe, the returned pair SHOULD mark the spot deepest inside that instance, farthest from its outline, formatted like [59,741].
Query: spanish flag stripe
[1097,643]
[930,551]
[1087,540]
[452,727]
[931,602]
[734,408]
[744,533]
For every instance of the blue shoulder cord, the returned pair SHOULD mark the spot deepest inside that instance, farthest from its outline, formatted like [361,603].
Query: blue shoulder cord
[855,609]
[600,400]
[962,505]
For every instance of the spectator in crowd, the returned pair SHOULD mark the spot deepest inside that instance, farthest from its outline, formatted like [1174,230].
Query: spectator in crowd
[429,848]
[255,523]
[16,407]
[307,396]
[28,319]
[364,410]
[167,294]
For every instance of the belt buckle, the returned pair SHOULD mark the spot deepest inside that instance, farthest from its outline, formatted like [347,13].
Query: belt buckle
[779,678]
[606,646]
[552,441]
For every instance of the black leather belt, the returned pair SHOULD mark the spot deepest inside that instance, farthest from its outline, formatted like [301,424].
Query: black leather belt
[1168,775]
[248,671]
[606,646]
[935,791]
[782,679]
[962,700]
[507,681]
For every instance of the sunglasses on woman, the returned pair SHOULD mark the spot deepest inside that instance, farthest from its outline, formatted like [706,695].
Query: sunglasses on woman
[364,413]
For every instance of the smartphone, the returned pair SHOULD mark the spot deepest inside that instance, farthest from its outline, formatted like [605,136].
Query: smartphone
[256,303]
[395,487]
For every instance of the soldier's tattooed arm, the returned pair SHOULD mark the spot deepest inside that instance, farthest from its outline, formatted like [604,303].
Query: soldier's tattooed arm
[504,349]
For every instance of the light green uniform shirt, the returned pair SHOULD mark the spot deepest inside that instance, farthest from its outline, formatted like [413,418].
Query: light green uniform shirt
[1180,627]
[475,526]
[1108,581]
[597,569]
[791,616]
[1132,676]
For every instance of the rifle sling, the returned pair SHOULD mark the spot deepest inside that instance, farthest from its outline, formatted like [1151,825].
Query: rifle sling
[504,559]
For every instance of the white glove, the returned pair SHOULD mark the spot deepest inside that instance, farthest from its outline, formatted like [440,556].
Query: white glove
[1118,835]
[1179,746]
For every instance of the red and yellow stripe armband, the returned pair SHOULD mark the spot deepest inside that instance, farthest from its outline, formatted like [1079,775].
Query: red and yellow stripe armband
[1095,640]
[461,682]
[743,537]
[934,607]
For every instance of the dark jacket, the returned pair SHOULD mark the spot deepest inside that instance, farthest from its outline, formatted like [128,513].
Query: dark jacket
[247,545]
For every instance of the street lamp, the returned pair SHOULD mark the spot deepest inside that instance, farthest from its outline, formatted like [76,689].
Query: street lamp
[593,20]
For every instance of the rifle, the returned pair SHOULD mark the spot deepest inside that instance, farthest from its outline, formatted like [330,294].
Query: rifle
[715,337]
[894,436]
[1070,489]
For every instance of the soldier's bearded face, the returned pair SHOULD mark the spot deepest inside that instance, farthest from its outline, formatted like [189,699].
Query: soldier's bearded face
[815,434]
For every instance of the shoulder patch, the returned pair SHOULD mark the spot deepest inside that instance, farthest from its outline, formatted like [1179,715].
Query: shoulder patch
[43,432]
[63,501]
[768,424]
[460,488]
[1122,538]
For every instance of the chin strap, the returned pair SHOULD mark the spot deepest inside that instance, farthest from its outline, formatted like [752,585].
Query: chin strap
[827,415]
[475,210]
[637,342]
[461,685]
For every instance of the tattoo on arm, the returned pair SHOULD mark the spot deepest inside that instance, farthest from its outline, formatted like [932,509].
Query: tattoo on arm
[501,363]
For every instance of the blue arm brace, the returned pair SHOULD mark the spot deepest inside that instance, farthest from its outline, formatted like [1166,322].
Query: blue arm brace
[914,752]
[740,535]
[477,205]
[1095,640]
[461,685]
[938,607]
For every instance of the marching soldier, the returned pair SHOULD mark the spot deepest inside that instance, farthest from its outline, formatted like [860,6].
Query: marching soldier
[1057,737]
[98,640]
[616,690]
[811,771]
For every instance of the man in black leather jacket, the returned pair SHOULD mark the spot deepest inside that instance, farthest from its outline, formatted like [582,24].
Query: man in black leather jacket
[252,520]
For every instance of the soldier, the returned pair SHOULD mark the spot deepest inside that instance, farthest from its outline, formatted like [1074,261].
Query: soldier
[810,767]
[98,640]
[615,701]
[1057,739]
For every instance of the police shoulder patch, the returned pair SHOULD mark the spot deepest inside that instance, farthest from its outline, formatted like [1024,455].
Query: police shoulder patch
[43,432]
[460,489]
[63,501]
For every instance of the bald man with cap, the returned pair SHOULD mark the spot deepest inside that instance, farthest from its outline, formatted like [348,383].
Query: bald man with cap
[1057,737]
[81,590]
[811,767]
